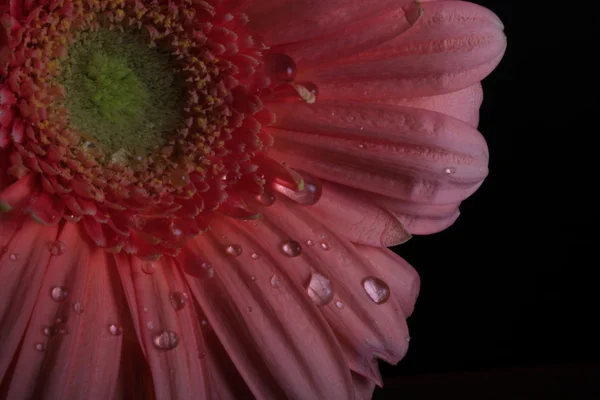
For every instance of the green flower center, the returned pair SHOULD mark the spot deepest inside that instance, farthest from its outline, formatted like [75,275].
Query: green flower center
[122,94]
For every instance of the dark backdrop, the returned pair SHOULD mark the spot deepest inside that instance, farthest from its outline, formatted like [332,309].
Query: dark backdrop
[509,301]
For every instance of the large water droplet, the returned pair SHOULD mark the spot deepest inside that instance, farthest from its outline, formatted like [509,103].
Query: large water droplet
[266,198]
[291,248]
[115,329]
[14,257]
[178,300]
[78,307]
[279,67]
[40,347]
[310,193]
[234,250]
[377,289]
[275,281]
[166,340]
[59,293]
[148,267]
[56,248]
[319,289]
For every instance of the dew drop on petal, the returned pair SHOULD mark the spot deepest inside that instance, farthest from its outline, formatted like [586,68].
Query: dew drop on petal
[377,289]
[275,281]
[279,67]
[339,304]
[78,307]
[291,248]
[449,170]
[249,309]
[206,271]
[40,347]
[56,248]
[253,278]
[148,267]
[179,177]
[150,325]
[310,242]
[166,340]
[59,293]
[178,300]
[201,354]
[310,193]
[319,289]
[115,329]
[255,256]
[325,245]
[234,250]
[266,198]
[14,257]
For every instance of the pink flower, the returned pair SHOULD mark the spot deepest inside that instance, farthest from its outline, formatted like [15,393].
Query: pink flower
[196,196]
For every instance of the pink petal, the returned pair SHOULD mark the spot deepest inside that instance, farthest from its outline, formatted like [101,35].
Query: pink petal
[365,329]
[171,338]
[463,104]
[402,278]
[275,336]
[22,268]
[400,152]
[348,41]
[419,218]
[454,45]
[80,358]
[357,218]
[288,21]
[363,387]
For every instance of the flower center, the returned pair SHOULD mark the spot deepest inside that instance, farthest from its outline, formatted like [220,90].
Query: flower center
[121,93]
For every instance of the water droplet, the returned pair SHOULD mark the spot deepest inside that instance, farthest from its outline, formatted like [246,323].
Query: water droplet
[291,248]
[166,340]
[275,281]
[249,309]
[362,146]
[178,300]
[234,250]
[325,245]
[40,347]
[449,170]
[319,289]
[150,325]
[78,307]
[255,256]
[56,248]
[279,67]
[148,267]
[310,193]
[201,354]
[253,278]
[339,304]
[179,177]
[115,329]
[266,198]
[310,242]
[14,257]
[377,289]
[59,293]
[204,322]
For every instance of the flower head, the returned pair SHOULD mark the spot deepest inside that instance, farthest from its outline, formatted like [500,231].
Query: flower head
[196,196]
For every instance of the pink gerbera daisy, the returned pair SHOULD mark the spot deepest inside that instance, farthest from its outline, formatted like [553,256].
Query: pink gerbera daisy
[196,196]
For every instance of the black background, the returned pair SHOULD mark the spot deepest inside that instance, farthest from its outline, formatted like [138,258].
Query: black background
[509,301]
